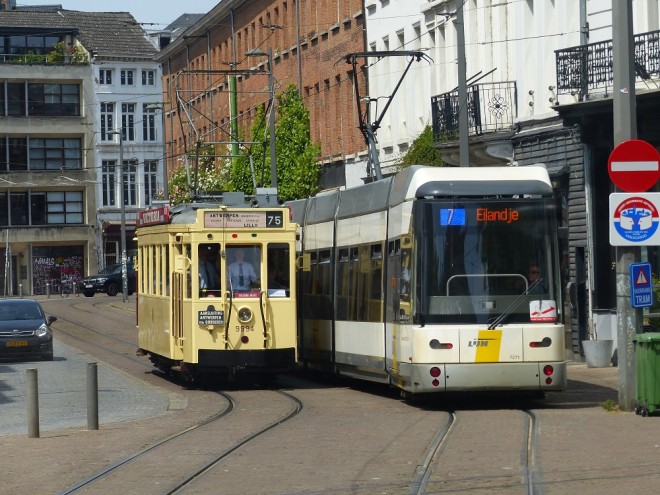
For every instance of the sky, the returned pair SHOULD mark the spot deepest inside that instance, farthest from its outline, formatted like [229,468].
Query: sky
[154,14]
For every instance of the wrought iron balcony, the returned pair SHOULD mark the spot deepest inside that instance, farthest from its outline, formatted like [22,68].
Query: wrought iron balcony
[491,108]
[586,69]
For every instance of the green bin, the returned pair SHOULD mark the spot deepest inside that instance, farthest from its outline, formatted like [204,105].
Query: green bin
[647,355]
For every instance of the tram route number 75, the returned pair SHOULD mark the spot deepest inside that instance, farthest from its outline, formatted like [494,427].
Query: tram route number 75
[274,219]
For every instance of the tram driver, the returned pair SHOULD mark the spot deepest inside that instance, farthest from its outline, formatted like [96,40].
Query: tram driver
[240,274]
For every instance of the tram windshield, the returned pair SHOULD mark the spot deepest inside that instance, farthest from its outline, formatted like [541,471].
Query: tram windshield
[477,258]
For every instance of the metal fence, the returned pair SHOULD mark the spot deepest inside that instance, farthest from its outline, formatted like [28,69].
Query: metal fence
[491,107]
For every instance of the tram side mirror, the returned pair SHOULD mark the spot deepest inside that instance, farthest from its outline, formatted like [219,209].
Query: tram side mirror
[303,262]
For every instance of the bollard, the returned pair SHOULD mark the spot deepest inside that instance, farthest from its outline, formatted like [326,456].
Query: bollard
[92,397]
[48,290]
[32,402]
[20,291]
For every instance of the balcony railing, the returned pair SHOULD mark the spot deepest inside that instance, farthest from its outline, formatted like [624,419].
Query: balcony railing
[585,69]
[491,107]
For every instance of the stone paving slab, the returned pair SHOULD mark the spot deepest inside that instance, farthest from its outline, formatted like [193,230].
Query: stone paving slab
[63,394]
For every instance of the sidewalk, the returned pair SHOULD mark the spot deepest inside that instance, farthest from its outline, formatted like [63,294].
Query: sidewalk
[63,391]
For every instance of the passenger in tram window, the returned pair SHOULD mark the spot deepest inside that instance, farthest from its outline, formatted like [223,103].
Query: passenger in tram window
[208,274]
[241,275]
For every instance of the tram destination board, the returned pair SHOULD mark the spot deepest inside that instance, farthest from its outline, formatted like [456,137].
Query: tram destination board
[211,317]
[267,219]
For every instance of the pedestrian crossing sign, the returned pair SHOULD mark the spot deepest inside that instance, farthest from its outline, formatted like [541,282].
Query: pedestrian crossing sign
[641,285]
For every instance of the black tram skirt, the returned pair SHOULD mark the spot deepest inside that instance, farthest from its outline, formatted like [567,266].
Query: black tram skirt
[271,359]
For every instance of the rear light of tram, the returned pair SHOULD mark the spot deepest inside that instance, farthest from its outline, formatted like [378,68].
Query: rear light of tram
[548,370]
[435,372]
[245,339]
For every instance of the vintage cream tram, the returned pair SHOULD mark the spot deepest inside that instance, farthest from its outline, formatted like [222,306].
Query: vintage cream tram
[216,286]
[424,281]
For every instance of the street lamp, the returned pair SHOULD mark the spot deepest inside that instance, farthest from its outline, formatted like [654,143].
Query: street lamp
[124,272]
[256,52]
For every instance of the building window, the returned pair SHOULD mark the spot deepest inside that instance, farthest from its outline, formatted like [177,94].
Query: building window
[148,78]
[64,207]
[18,208]
[130,183]
[128,121]
[107,121]
[55,154]
[150,181]
[105,76]
[16,99]
[53,99]
[17,153]
[148,123]
[126,77]
[108,181]
[4,209]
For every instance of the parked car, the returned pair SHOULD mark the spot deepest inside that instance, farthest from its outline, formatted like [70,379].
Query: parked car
[25,330]
[109,281]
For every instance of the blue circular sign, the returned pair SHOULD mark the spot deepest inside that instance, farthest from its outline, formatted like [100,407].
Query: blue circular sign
[636,219]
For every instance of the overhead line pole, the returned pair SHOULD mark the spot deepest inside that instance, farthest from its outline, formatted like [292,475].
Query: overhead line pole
[624,112]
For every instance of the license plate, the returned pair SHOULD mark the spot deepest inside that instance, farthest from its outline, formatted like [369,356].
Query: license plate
[17,343]
[88,286]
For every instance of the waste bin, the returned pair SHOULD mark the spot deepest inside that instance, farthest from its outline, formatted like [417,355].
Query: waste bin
[647,355]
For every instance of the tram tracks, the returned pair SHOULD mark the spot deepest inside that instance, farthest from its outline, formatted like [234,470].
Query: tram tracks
[209,442]
[515,439]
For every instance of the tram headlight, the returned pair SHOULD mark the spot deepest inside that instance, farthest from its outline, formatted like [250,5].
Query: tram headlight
[244,315]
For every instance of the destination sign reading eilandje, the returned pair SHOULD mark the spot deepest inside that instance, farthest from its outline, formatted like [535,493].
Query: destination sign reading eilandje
[243,219]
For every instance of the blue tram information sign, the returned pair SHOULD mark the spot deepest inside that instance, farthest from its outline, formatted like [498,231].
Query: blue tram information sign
[641,285]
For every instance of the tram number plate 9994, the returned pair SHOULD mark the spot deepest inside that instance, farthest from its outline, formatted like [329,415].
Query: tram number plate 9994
[211,317]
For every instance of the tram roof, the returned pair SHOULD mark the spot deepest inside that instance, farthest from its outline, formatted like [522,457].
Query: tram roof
[420,181]
[437,182]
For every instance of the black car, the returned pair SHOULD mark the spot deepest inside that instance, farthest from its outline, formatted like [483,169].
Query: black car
[109,281]
[25,330]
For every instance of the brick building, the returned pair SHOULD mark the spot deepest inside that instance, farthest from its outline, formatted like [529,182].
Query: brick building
[306,38]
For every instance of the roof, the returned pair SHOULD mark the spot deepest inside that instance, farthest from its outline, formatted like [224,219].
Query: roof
[109,34]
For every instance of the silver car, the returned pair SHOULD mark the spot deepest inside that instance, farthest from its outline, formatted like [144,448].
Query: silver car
[25,330]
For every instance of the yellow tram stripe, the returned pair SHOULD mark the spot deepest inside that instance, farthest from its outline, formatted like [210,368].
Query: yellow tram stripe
[488,346]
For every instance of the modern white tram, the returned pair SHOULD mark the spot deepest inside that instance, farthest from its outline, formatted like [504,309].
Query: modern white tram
[426,281]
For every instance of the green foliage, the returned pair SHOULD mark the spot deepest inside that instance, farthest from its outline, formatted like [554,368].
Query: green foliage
[61,54]
[211,176]
[422,151]
[609,405]
[297,167]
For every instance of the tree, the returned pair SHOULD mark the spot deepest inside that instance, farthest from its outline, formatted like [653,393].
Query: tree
[298,169]
[422,151]
[297,156]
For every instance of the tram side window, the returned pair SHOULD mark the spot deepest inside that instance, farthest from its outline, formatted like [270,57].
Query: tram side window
[325,284]
[375,311]
[154,271]
[165,276]
[343,285]
[187,251]
[208,264]
[279,268]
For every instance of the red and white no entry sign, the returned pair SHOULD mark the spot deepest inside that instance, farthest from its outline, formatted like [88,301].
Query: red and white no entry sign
[634,166]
